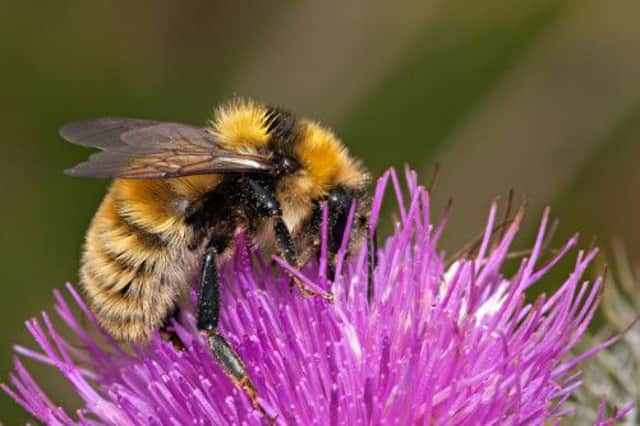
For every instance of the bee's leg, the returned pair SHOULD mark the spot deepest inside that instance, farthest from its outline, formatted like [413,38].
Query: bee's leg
[208,315]
[286,247]
[265,204]
[209,293]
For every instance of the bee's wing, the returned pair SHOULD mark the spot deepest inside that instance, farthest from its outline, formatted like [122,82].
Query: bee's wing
[134,148]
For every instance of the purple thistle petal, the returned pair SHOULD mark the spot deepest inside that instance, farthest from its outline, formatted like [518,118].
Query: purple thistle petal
[454,346]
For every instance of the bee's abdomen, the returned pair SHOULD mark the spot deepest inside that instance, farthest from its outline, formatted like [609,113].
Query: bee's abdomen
[130,276]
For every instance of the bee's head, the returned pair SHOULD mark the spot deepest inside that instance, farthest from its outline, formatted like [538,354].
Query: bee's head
[328,172]
[340,202]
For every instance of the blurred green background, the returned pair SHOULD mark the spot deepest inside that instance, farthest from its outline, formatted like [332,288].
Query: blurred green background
[540,96]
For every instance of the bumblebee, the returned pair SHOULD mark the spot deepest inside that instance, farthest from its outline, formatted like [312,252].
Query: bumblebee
[181,192]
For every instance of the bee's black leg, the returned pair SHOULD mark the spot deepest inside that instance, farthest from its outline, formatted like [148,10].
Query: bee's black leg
[286,247]
[265,204]
[209,292]
[284,241]
[208,315]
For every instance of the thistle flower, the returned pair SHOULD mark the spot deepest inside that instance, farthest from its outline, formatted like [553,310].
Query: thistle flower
[614,371]
[457,345]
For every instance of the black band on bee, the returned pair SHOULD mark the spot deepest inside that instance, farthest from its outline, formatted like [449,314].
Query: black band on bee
[145,237]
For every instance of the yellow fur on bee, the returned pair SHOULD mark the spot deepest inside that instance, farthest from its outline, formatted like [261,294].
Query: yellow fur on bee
[240,124]
[326,161]
[157,205]
[193,187]
[148,204]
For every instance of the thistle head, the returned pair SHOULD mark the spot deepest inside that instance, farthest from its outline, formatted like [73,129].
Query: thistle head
[438,344]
